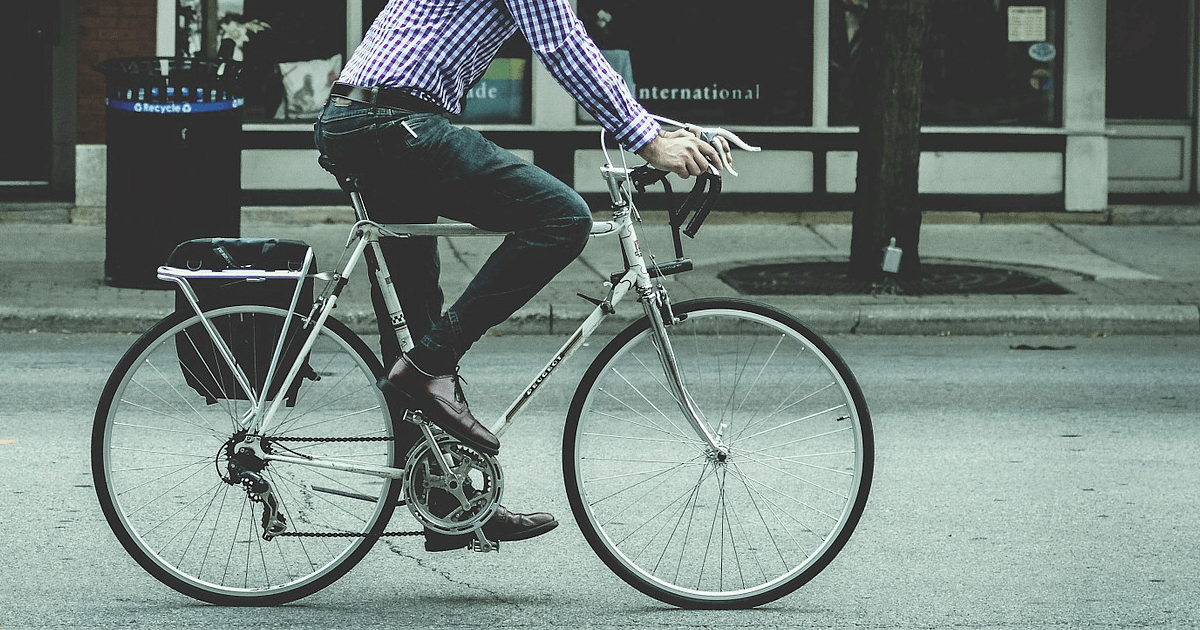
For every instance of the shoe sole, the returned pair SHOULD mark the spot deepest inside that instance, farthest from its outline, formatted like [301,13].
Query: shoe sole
[532,532]
[388,388]
[450,543]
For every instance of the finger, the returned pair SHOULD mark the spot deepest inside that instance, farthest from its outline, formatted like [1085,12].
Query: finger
[683,166]
[709,154]
[715,160]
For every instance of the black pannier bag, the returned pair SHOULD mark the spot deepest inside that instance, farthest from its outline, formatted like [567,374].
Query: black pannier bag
[252,339]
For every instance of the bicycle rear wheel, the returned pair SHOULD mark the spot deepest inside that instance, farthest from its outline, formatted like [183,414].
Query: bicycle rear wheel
[178,495]
[682,523]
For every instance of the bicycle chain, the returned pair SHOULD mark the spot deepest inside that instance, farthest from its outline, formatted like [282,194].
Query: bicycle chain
[346,534]
[340,534]
[328,439]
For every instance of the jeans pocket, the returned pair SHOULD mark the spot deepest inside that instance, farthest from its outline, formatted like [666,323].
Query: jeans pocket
[349,141]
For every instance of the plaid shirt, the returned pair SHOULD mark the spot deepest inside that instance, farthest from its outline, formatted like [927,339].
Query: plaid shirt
[437,49]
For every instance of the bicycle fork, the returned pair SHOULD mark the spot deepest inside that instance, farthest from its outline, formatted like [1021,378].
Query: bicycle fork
[657,306]
[658,310]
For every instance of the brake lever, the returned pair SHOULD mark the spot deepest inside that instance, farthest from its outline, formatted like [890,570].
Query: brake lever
[710,135]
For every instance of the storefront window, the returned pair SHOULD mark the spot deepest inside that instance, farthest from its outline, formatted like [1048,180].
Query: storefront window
[293,50]
[505,92]
[988,62]
[1147,60]
[748,62]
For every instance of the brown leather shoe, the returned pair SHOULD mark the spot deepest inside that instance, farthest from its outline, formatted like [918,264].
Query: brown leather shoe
[503,526]
[443,403]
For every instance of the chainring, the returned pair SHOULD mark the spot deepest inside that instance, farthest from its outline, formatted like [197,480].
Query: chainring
[432,495]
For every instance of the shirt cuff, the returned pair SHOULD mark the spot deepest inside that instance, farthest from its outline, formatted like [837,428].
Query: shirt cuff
[638,132]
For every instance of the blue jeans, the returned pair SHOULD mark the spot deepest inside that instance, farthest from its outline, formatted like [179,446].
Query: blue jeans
[442,170]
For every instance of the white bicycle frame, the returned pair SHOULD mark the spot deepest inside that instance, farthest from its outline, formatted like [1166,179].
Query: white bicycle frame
[637,276]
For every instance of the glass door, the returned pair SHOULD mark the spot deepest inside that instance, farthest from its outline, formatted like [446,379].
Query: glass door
[27,34]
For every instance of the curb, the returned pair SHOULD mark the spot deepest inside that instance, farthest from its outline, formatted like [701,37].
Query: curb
[1042,320]
[918,320]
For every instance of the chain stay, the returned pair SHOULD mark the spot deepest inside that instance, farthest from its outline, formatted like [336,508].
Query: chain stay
[339,534]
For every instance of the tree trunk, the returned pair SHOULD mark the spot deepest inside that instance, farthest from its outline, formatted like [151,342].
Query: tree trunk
[889,97]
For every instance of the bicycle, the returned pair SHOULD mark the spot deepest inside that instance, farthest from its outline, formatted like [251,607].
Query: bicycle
[718,453]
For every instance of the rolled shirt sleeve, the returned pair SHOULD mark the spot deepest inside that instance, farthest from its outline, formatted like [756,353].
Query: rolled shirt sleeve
[559,40]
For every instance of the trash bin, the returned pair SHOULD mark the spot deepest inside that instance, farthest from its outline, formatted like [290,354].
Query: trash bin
[174,160]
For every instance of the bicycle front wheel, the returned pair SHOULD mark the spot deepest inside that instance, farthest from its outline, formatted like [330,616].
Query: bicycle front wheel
[191,508]
[689,525]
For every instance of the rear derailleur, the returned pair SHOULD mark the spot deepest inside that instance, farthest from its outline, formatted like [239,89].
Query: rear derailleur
[245,467]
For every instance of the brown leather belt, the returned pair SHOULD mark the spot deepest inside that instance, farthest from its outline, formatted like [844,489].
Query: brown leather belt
[385,97]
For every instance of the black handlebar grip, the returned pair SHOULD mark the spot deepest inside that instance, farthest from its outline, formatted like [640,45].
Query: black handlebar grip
[709,201]
[694,199]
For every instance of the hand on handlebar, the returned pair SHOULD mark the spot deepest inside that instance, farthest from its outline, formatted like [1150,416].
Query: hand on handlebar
[692,150]
[682,152]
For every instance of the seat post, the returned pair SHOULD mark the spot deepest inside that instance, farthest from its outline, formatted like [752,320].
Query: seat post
[360,208]
[349,184]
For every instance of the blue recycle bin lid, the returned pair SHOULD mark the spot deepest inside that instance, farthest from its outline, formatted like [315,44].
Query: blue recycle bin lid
[172,85]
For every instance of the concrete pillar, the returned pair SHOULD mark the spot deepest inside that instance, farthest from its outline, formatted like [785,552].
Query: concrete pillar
[1085,170]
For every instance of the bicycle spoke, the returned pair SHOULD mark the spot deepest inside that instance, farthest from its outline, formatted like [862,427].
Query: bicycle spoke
[650,424]
[643,396]
[750,390]
[654,475]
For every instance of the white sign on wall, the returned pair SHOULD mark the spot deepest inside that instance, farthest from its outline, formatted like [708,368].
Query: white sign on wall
[1026,24]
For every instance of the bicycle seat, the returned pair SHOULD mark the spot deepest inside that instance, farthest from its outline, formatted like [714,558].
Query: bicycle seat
[346,180]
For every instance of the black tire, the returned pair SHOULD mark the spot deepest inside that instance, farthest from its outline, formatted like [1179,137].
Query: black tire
[677,520]
[161,459]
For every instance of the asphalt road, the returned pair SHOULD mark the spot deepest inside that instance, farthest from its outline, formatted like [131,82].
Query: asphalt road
[1050,487]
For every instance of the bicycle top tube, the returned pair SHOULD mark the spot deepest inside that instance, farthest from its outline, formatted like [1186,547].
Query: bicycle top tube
[599,228]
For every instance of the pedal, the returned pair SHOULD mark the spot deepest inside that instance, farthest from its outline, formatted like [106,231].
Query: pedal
[414,416]
[480,544]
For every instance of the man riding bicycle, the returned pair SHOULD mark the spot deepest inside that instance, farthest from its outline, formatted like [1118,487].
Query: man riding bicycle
[386,122]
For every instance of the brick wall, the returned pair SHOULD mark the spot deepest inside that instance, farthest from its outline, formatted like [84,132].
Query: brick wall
[107,29]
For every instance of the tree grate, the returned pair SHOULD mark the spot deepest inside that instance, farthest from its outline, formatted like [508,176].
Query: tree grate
[833,278]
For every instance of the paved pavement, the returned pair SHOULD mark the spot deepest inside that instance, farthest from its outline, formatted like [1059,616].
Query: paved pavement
[1123,279]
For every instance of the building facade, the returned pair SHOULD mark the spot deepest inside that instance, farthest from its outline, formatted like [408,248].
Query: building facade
[1048,105]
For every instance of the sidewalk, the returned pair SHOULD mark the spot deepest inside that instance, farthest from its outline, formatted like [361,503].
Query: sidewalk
[1136,279]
